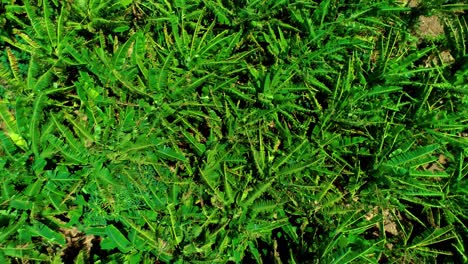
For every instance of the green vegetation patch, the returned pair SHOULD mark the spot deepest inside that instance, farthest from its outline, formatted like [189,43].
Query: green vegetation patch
[197,131]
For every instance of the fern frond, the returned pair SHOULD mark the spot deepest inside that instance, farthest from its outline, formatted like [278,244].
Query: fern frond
[80,129]
[234,158]
[36,23]
[295,168]
[157,79]
[258,155]
[28,40]
[6,144]
[36,118]
[423,193]
[410,156]
[48,23]
[43,81]
[329,200]
[176,232]
[380,90]
[278,164]
[228,183]
[8,118]
[70,154]
[67,49]
[260,228]
[261,206]
[428,174]
[123,53]
[199,147]
[33,70]
[68,135]
[431,237]
[60,28]
[5,74]
[258,191]
[13,64]
[140,52]
[222,14]
[170,154]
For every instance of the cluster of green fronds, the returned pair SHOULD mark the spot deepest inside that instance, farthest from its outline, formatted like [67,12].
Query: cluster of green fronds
[199,131]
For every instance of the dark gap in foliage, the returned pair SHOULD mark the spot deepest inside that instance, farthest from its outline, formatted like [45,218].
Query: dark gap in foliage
[72,251]
[98,253]
[418,211]
[51,164]
[366,163]
[85,34]
[171,118]
[42,246]
[284,245]
[20,187]
[73,73]
[62,217]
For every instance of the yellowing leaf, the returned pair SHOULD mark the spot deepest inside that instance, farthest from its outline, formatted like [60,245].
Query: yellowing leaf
[18,140]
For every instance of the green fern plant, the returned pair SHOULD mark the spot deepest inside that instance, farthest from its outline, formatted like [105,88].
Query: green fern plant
[231,131]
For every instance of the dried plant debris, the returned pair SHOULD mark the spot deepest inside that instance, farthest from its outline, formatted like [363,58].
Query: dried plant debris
[430,26]
[77,243]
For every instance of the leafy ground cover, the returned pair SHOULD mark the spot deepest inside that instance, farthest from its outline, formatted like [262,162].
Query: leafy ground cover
[262,131]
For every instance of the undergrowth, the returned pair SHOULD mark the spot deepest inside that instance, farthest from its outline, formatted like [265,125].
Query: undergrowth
[197,131]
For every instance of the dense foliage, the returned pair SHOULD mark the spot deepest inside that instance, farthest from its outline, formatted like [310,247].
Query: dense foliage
[205,131]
